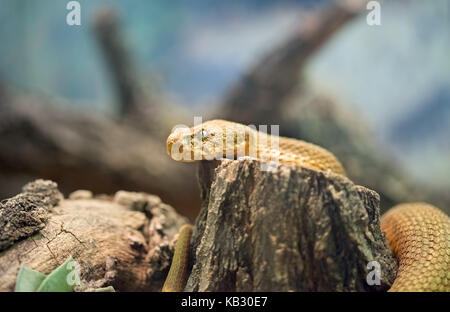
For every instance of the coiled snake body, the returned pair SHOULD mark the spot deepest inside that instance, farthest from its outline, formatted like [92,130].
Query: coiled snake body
[417,233]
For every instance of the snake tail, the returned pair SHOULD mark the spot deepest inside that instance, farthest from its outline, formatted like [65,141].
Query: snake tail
[176,279]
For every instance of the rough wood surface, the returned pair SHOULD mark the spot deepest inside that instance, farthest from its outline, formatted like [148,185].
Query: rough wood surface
[285,230]
[125,240]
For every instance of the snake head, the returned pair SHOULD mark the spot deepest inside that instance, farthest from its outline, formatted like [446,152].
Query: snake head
[215,139]
[202,142]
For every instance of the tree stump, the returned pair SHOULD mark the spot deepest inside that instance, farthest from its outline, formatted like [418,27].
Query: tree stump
[290,229]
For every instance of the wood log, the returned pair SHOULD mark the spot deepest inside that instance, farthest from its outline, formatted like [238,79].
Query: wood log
[124,241]
[289,229]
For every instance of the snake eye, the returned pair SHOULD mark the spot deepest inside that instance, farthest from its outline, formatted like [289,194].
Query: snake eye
[205,134]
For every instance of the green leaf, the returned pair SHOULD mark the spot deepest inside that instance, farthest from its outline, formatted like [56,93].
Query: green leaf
[62,279]
[28,279]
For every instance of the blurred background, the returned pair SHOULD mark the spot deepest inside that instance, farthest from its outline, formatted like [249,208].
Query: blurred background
[90,106]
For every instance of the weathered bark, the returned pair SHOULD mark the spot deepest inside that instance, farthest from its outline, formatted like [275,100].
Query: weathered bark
[125,241]
[285,230]
[26,214]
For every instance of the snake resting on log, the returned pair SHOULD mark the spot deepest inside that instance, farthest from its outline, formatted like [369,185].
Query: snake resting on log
[417,233]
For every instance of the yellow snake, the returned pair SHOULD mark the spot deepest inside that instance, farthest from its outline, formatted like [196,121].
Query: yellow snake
[417,233]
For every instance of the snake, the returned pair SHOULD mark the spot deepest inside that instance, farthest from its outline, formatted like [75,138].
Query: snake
[418,234]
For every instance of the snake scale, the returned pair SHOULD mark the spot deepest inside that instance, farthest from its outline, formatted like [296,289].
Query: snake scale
[417,233]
